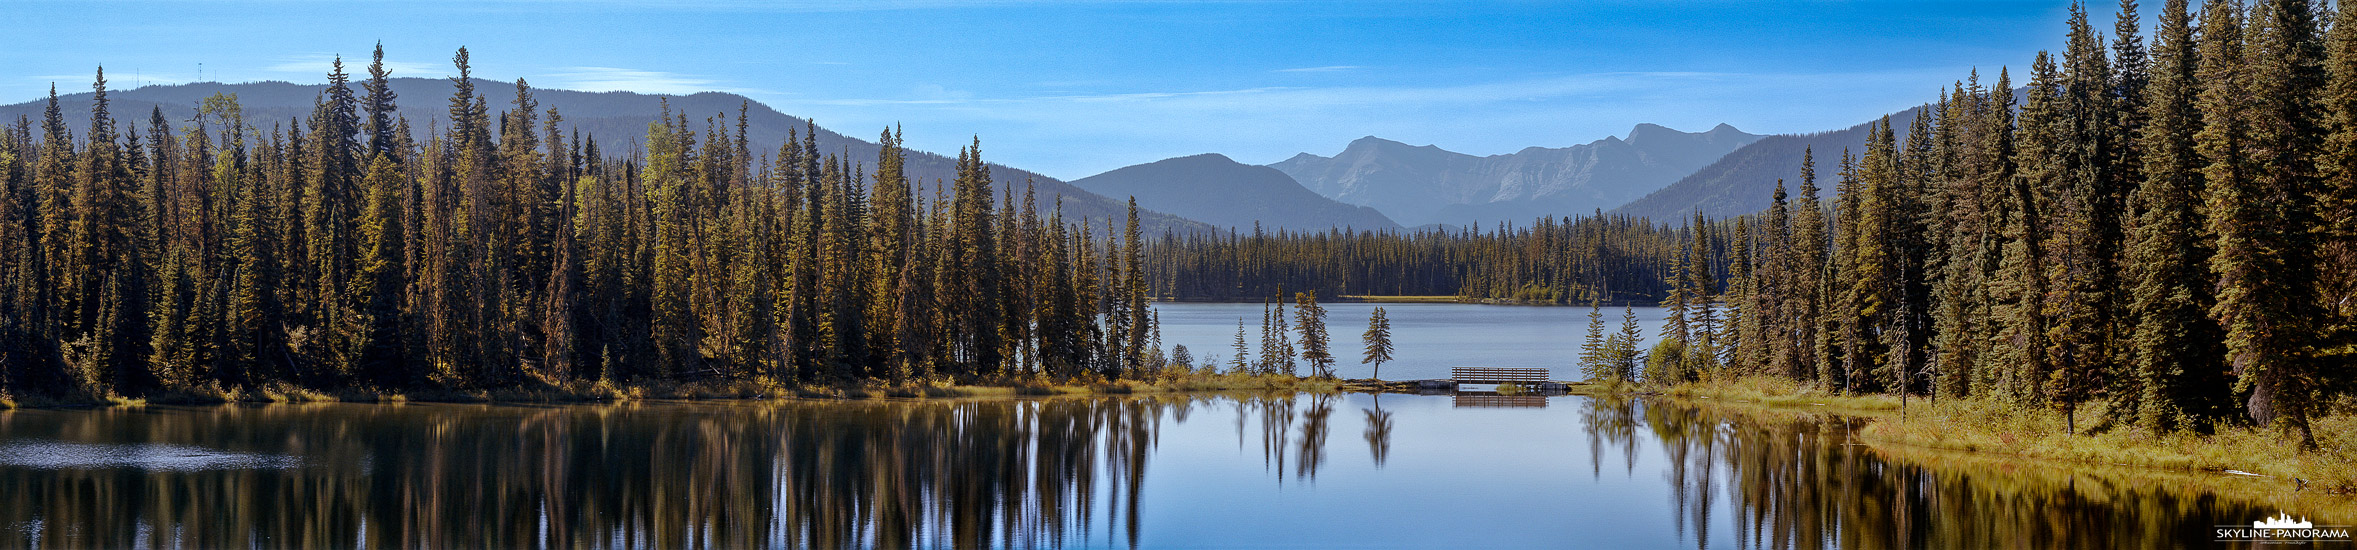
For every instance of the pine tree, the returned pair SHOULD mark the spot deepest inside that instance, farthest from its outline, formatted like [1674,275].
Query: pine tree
[1848,347]
[1378,342]
[1677,330]
[2020,361]
[1238,365]
[1595,360]
[2174,351]
[1737,341]
[1805,303]
[1625,356]
[2263,212]
[1312,321]
[1702,351]
[330,208]
[2079,189]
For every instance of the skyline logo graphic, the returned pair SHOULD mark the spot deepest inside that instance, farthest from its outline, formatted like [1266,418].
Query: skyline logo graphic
[2282,529]
[2282,521]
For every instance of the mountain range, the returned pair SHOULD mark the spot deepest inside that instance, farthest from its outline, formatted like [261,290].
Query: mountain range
[1425,185]
[1214,189]
[617,120]
[1744,181]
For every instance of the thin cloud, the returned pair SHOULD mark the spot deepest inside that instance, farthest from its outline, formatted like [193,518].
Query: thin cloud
[320,63]
[614,79]
[1325,69]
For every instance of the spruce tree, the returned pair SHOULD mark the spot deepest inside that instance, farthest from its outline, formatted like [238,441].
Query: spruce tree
[1595,361]
[2174,349]
[2263,213]
[1311,319]
[1805,302]
[1626,355]
[1378,342]
[1238,365]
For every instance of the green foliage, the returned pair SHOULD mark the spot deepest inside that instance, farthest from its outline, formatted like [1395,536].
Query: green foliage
[1378,342]
[1666,364]
[219,258]
[2148,226]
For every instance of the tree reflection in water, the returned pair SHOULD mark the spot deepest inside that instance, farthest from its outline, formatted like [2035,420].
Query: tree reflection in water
[1010,473]
[1017,473]
[1800,481]
[1378,431]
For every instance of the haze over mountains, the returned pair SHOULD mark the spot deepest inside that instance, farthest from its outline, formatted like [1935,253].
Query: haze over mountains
[617,120]
[1427,185]
[1227,194]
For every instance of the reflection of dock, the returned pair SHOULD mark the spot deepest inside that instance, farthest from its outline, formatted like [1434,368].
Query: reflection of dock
[1492,400]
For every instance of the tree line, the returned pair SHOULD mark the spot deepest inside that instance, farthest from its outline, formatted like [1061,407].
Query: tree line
[495,250]
[2165,229]
[1550,261]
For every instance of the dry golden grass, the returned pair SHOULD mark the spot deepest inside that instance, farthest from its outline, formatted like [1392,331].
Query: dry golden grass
[1986,427]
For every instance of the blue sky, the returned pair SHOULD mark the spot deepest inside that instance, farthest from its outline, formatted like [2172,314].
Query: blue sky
[1074,88]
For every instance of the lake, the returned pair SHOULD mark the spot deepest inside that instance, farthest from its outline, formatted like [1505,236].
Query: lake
[1152,471]
[1255,471]
[1427,338]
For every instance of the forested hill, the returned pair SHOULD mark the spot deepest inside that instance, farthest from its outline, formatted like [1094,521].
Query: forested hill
[1740,182]
[618,120]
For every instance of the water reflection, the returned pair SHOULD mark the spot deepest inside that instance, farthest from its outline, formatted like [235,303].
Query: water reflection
[1378,430]
[1028,473]
[1040,473]
[1803,482]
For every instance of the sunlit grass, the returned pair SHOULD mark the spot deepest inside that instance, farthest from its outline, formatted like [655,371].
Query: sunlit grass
[1777,391]
[1988,427]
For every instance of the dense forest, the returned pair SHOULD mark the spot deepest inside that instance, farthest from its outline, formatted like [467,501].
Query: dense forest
[338,251]
[2167,230]
[1552,261]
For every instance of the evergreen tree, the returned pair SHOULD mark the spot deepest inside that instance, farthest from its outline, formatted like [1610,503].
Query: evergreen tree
[1378,342]
[1238,365]
[1805,304]
[1702,352]
[1311,319]
[1625,355]
[1595,352]
[2263,211]
[2175,346]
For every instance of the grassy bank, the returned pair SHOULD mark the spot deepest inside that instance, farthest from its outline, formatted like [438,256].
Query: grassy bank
[550,391]
[1985,428]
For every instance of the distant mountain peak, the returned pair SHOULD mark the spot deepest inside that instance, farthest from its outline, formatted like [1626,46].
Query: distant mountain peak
[1216,189]
[1416,185]
[1205,157]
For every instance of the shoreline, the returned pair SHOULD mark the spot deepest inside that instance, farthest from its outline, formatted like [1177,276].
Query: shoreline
[742,389]
[2234,460]
[1373,299]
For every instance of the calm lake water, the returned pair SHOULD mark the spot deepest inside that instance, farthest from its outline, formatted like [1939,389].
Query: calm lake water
[1279,471]
[1428,338]
[1165,471]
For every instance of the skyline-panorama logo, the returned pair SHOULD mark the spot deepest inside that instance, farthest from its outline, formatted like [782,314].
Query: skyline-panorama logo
[2282,529]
